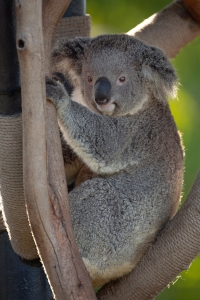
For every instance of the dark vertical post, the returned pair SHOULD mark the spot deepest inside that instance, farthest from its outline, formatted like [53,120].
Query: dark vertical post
[10,102]
[19,280]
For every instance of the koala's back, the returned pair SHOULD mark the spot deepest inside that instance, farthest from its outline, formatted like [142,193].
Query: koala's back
[120,214]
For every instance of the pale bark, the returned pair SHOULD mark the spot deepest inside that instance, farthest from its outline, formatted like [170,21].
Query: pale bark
[170,29]
[44,179]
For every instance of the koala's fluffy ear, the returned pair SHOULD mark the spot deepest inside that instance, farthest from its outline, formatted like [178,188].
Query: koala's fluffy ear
[68,54]
[158,70]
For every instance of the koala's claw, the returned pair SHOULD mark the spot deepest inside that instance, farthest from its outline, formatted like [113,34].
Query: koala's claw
[50,80]
[55,91]
[65,81]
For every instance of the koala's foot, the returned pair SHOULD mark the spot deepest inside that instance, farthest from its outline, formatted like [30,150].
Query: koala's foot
[55,91]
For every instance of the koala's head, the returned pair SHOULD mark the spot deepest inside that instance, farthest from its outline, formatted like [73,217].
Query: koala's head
[116,74]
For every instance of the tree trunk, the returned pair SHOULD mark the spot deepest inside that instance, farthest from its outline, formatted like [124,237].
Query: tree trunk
[44,179]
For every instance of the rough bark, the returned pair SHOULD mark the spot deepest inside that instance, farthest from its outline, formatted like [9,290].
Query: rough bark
[170,29]
[44,179]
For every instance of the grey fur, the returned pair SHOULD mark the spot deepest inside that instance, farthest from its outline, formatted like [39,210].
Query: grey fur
[135,150]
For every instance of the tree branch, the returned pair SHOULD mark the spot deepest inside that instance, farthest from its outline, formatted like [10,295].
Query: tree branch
[52,12]
[44,179]
[170,29]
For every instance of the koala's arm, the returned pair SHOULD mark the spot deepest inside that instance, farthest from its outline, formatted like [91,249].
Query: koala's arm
[98,140]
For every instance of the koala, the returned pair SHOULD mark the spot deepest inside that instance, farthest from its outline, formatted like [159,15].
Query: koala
[122,130]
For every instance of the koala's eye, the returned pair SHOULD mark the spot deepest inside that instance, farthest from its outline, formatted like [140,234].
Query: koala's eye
[122,79]
[89,78]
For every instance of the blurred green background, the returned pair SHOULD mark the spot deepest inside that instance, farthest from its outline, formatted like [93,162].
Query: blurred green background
[115,16]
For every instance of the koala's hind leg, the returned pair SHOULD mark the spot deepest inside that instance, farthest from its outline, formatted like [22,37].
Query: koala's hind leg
[97,217]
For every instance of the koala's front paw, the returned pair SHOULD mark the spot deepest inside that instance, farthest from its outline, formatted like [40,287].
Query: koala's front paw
[55,91]
[65,81]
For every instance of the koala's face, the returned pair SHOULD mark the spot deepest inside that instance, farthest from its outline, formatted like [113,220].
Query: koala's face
[116,74]
[110,85]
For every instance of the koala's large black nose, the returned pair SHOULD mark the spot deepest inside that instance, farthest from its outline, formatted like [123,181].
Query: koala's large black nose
[102,89]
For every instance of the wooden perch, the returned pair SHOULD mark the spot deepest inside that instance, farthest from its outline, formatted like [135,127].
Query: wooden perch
[44,179]
[170,29]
